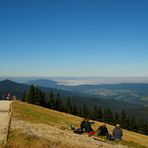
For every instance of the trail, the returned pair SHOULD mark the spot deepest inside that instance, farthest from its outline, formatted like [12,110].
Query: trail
[4,119]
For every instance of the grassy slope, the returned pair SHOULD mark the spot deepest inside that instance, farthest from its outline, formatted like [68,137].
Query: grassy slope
[38,114]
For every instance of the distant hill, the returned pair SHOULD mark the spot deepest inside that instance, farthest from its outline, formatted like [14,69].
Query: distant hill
[49,84]
[125,92]
[135,93]
[138,87]
[43,83]
[18,89]
[14,88]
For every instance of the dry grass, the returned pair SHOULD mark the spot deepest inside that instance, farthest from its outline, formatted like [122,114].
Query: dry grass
[19,140]
[36,114]
[59,136]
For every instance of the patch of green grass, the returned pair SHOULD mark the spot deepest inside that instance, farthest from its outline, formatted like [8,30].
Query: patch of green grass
[38,114]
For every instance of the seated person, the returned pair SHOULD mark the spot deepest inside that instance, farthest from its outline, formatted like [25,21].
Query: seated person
[82,127]
[117,132]
[102,130]
[86,125]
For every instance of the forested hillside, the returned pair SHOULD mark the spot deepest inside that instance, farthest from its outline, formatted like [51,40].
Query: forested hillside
[36,96]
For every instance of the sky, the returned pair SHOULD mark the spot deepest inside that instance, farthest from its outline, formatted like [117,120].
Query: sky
[62,38]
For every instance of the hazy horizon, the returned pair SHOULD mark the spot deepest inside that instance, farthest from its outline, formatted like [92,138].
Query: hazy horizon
[82,80]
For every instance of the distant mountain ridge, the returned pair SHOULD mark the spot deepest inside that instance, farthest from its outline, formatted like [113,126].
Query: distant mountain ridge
[43,83]
[126,86]
[7,86]
[18,89]
[136,93]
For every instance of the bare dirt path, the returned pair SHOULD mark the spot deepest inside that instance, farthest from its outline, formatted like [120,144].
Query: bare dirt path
[4,119]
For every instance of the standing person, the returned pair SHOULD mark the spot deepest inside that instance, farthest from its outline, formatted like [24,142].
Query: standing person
[117,132]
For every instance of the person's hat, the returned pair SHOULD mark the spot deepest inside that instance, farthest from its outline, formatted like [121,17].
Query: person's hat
[118,125]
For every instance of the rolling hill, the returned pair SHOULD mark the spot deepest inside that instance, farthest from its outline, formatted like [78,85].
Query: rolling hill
[135,93]
[137,111]
[34,126]
[18,89]
[43,83]
[126,92]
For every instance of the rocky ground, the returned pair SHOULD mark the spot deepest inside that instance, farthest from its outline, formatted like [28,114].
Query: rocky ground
[64,136]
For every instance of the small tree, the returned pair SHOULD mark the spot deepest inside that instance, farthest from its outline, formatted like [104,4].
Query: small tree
[75,110]
[80,111]
[94,115]
[30,97]
[59,105]
[124,120]
[100,114]
[85,111]
[107,116]
[69,106]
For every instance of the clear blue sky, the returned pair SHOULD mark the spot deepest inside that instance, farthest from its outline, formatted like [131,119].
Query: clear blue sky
[74,38]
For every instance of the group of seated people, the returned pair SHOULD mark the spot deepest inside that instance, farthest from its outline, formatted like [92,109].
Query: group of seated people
[85,127]
[116,133]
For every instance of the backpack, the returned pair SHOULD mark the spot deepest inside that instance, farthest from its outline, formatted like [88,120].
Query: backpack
[78,131]
[109,137]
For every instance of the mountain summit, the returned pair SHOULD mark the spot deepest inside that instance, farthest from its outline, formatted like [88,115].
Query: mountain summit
[43,83]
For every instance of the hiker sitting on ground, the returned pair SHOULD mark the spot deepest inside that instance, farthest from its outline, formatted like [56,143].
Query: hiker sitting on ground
[117,132]
[86,125]
[82,125]
[102,130]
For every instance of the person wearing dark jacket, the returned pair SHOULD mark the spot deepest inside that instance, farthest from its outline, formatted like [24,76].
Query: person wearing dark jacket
[82,125]
[86,125]
[102,130]
[117,132]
